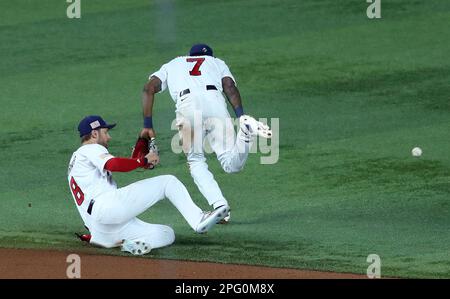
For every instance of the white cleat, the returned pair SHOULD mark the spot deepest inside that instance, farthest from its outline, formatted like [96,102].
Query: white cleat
[251,126]
[136,247]
[209,219]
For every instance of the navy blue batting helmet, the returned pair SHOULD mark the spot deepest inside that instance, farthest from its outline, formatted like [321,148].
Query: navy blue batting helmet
[200,50]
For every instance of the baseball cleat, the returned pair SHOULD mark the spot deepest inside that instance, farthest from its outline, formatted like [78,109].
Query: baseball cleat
[226,219]
[209,219]
[136,247]
[251,126]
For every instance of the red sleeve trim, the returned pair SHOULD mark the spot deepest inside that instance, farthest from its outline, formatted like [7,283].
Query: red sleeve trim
[123,164]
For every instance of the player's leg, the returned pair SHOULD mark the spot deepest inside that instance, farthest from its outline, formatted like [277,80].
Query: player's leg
[135,236]
[125,203]
[232,152]
[231,149]
[140,237]
[105,235]
[177,193]
[204,180]
[192,142]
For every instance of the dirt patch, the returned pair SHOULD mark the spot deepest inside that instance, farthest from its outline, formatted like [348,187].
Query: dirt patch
[27,263]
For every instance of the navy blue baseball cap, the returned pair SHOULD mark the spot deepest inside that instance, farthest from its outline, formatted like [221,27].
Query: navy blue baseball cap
[92,122]
[200,49]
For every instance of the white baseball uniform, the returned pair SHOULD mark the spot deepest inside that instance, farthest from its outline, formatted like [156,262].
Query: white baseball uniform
[195,85]
[112,216]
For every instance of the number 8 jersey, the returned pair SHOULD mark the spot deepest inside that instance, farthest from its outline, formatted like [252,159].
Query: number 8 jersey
[87,176]
[191,72]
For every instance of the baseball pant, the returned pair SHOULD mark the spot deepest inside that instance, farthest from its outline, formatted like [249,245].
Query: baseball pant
[114,212]
[203,116]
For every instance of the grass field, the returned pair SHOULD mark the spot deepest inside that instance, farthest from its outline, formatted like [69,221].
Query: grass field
[353,97]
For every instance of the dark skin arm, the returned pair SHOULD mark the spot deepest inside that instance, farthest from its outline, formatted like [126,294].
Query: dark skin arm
[232,92]
[148,95]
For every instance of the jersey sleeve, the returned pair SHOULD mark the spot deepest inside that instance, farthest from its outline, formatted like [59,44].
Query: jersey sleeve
[162,75]
[98,155]
[225,70]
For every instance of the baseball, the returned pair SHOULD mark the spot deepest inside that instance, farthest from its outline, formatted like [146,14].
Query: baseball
[416,152]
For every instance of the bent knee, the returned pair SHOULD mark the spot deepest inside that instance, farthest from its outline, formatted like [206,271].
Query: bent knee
[169,180]
[173,181]
[169,177]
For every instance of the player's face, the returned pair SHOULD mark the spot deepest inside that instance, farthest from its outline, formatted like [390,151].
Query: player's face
[103,137]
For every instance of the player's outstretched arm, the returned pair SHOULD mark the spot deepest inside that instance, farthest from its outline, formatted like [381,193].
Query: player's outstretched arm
[119,164]
[148,95]
[234,97]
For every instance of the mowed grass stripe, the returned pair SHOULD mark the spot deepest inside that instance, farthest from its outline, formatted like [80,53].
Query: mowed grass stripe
[353,97]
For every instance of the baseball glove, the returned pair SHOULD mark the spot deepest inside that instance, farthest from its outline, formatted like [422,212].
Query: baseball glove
[142,147]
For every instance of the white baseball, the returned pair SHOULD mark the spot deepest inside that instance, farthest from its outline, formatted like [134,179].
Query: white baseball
[416,152]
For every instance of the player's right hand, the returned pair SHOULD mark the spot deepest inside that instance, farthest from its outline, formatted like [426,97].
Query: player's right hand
[147,133]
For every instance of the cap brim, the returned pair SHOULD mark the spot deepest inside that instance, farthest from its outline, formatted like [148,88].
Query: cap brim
[109,126]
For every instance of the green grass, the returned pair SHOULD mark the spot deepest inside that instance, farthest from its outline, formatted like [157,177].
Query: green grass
[353,96]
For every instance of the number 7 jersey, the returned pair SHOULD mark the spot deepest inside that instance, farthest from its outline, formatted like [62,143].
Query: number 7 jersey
[191,72]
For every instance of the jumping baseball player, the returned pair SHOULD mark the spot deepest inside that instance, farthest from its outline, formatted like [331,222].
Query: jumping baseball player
[197,84]
[110,212]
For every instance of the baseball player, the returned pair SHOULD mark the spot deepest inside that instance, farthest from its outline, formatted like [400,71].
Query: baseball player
[109,212]
[197,84]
